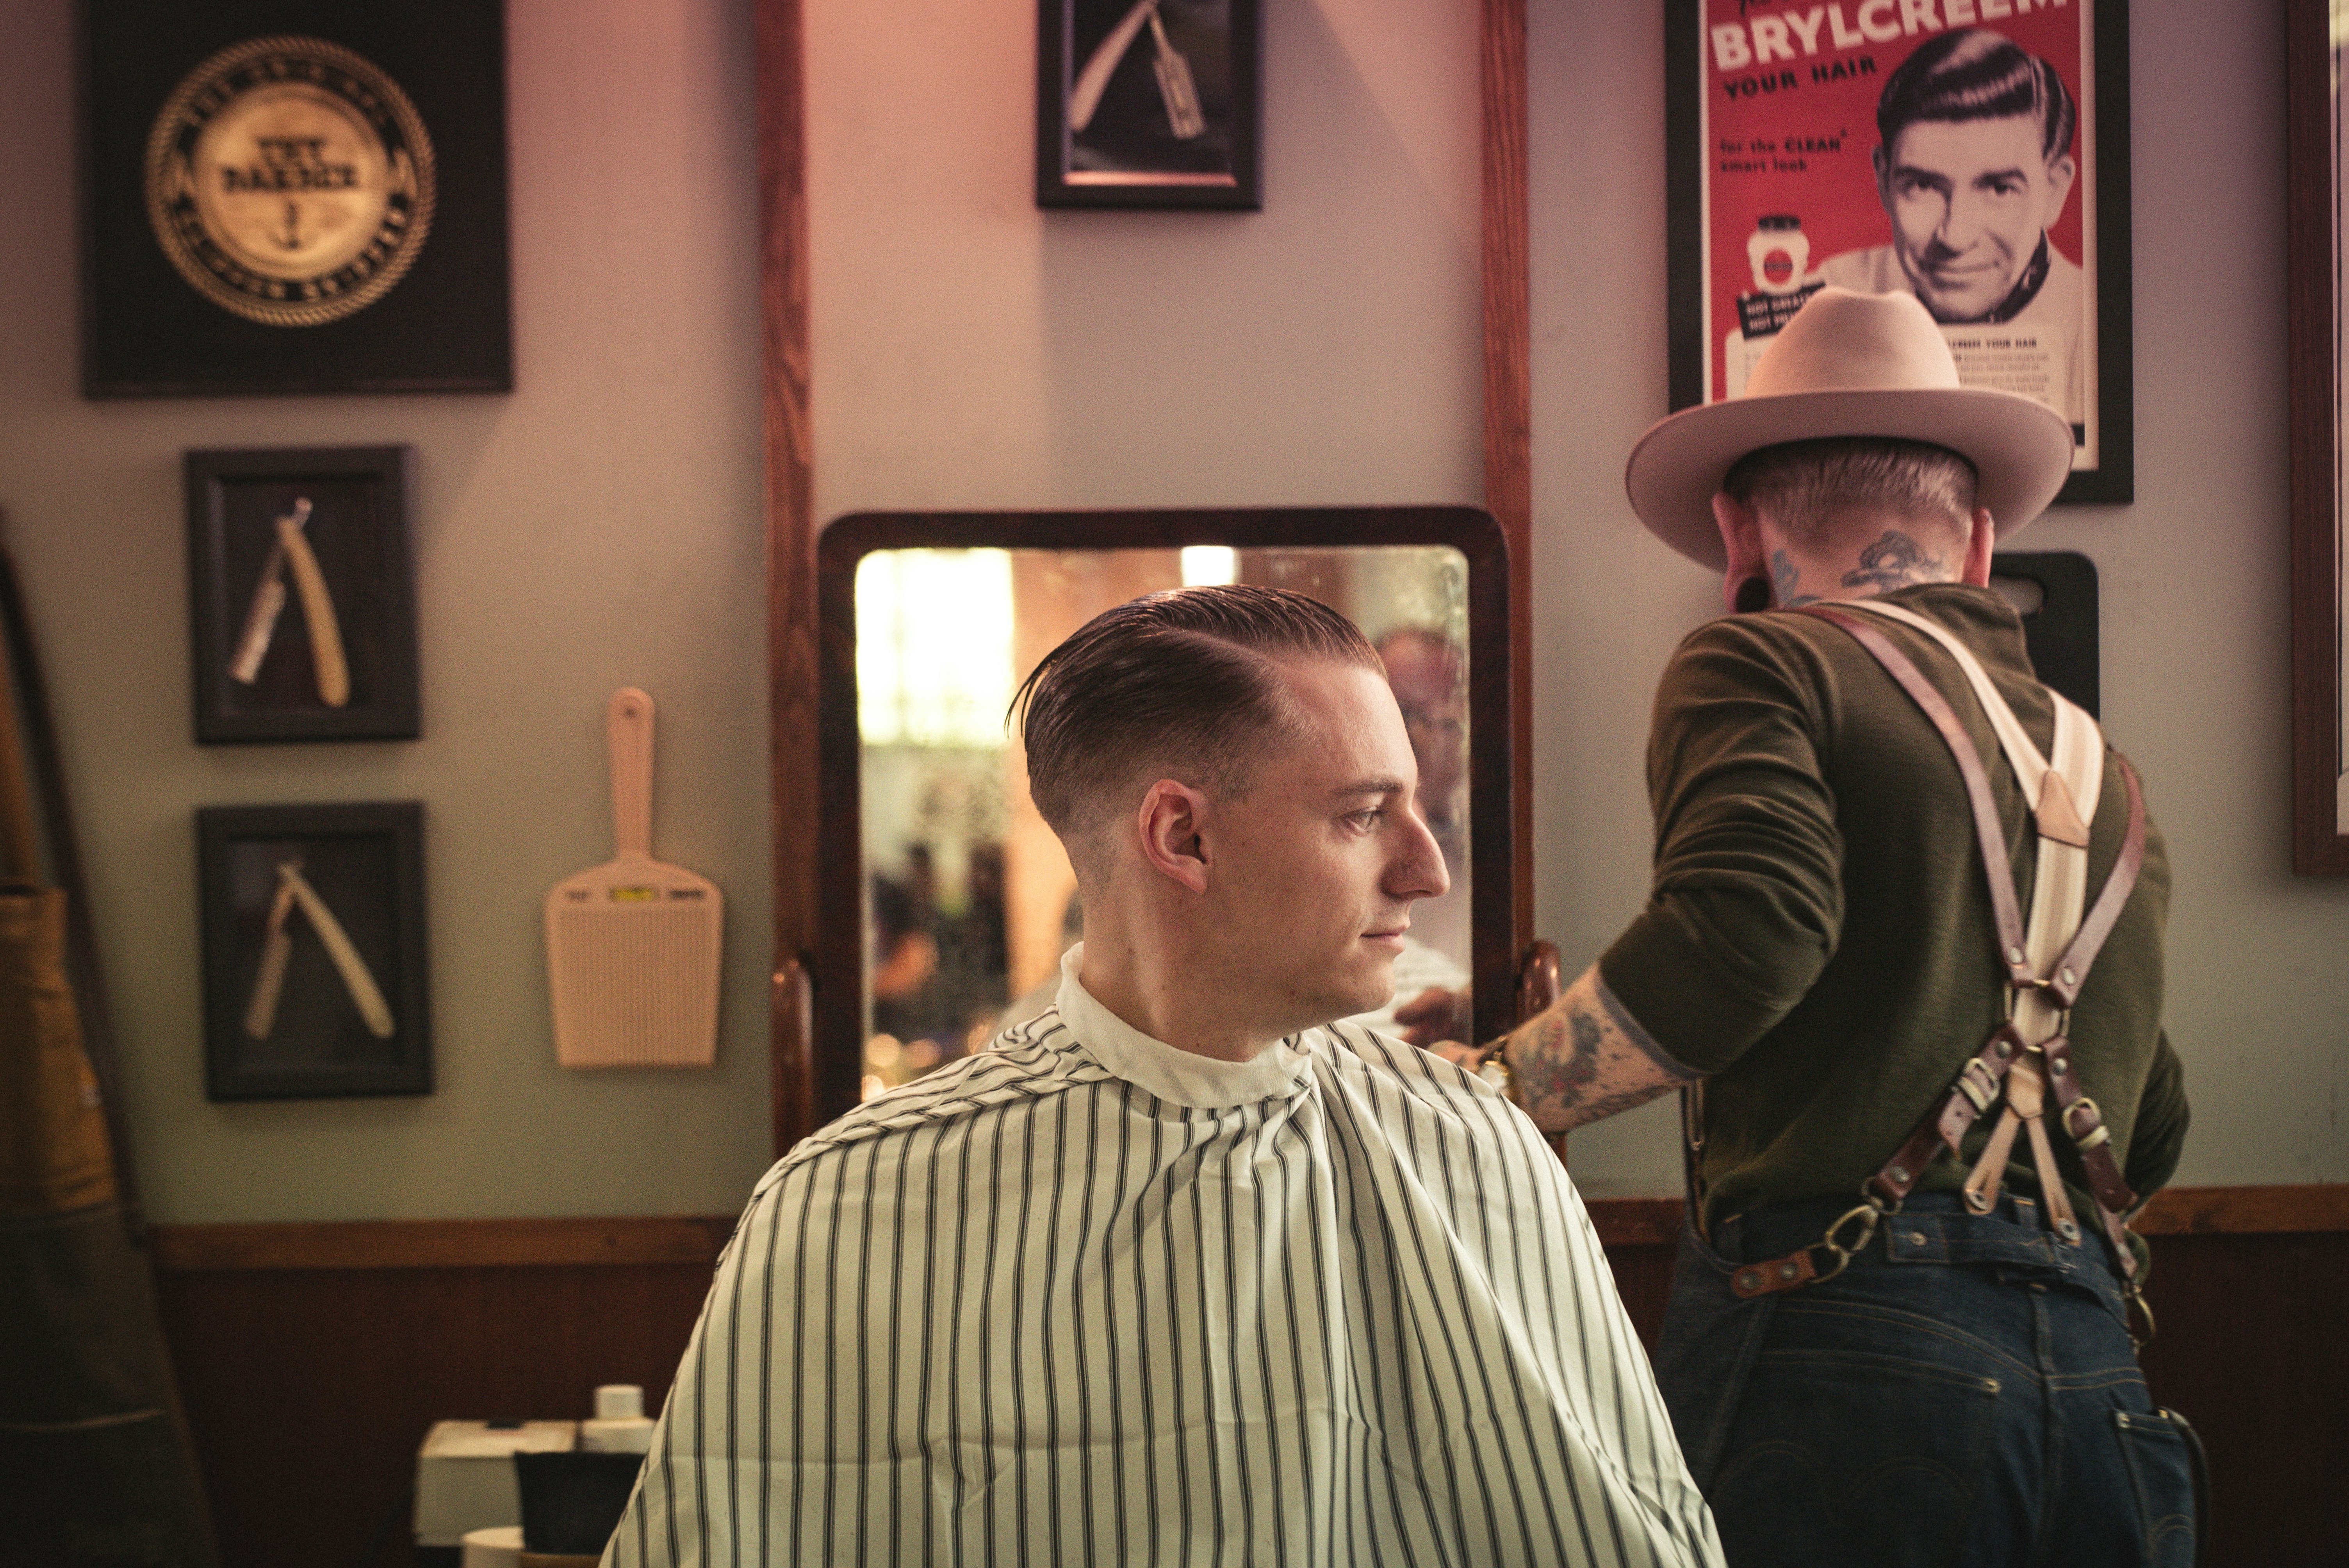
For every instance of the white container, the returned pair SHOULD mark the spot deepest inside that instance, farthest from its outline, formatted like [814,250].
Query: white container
[465,1475]
[1780,254]
[497,1547]
[620,1425]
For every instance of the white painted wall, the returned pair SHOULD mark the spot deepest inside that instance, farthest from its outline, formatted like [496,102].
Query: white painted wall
[601,524]
[972,351]
[598,527]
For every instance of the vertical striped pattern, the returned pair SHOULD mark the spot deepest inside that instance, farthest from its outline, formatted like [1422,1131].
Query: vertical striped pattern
[1022,1311]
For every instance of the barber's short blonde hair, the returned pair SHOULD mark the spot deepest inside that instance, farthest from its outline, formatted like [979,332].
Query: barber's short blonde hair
[1801,487]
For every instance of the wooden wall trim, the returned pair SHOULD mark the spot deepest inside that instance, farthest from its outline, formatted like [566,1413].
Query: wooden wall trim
[441,1243]
[1509,395]
[696,1238]
[791,556]
[2245,1210]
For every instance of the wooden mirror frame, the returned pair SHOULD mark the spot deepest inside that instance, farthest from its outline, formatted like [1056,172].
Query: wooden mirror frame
[838,967]
[794,760]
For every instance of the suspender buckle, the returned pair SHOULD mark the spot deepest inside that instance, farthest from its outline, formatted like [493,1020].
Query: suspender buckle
[1866,1215]
[2098,1133]
[2145,1310]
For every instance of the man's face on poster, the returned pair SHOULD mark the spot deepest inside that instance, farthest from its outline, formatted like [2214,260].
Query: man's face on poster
[1968,201]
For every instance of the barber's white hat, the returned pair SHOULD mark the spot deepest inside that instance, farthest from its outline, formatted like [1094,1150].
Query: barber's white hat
[1848,365]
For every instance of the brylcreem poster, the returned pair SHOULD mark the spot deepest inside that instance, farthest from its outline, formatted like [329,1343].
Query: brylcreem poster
[1946,148]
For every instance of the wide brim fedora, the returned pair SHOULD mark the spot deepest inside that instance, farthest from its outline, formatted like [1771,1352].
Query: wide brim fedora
[1848,365]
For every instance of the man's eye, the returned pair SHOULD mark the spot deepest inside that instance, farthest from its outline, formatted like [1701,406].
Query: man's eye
[1366,820]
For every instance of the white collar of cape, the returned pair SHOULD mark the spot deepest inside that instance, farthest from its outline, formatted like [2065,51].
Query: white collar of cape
[1169,1072]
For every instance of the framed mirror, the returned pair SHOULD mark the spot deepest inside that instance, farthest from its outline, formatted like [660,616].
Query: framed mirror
[947,901]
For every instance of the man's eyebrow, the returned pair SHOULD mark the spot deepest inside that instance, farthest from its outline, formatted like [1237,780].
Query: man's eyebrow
[1372,786]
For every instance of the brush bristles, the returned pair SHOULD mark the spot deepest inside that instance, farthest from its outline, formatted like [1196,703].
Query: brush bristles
[634,987]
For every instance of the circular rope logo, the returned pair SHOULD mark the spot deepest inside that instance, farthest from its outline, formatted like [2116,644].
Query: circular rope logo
[289,180]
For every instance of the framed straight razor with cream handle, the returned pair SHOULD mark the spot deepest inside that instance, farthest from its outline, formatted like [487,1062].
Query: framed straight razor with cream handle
[302,598]
[316,974]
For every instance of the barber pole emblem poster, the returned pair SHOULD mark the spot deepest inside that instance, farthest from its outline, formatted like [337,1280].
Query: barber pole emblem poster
[1970,152]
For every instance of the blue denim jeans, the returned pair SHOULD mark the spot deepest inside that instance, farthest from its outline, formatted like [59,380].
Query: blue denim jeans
[1964,1393]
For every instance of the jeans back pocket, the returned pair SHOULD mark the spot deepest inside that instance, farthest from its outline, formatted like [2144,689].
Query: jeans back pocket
[2164,1456]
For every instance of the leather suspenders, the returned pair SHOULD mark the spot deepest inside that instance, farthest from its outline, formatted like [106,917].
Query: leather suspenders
[2013,1065]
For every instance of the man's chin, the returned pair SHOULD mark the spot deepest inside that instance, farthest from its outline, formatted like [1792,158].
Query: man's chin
[1959,306]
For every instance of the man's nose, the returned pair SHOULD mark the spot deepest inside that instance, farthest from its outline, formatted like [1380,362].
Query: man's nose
[1961,223]
[1418,870]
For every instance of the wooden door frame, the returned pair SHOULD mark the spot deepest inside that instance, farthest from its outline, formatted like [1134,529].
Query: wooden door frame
[791,524]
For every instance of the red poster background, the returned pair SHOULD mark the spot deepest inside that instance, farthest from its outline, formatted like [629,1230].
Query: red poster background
[1820,133]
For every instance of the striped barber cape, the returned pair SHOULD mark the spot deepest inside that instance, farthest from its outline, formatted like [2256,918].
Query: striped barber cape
[1088,1298]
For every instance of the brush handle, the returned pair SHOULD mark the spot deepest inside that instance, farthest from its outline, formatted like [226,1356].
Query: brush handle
[628,725]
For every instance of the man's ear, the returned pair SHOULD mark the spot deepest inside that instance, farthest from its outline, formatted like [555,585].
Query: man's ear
[1169,820]
[1981,543]
[1741,541]
[1882,160]
[2061,171]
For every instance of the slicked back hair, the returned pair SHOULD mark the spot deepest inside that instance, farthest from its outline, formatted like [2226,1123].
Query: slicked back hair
[1802,487]
[1976,75]
[1184,684]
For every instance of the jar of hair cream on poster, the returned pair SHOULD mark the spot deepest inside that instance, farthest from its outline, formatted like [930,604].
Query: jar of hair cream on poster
[1779,252]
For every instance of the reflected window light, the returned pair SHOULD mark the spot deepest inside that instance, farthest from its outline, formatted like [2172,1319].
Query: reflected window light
[1204,564]
[933,646]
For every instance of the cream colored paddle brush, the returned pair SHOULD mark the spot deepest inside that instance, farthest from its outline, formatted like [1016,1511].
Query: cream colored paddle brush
[632,945]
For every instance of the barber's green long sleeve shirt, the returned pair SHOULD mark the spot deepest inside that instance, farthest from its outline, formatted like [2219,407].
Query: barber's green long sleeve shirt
[1819,941]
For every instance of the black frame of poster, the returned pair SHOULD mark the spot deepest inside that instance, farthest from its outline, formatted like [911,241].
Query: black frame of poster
[1056,186]
[2113,479]
[445,325]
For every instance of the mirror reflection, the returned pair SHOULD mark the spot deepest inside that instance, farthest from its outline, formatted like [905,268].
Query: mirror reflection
[969,900]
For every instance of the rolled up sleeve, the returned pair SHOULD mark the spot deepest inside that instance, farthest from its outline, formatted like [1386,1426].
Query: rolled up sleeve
[1747,905]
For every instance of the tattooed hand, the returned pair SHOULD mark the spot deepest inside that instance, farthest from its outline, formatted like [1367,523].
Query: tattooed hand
[1584,1057]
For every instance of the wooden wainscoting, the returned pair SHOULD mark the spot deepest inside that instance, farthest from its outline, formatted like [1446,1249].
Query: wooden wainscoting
[314,1357]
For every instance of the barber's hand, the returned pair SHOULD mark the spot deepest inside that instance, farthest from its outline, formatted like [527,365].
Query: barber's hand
[1434,1015]
[1466,1058]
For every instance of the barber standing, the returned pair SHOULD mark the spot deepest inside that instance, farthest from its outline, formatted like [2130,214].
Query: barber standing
[1904,950]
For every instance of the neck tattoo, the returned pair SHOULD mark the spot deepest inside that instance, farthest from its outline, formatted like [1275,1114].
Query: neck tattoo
[1895,561]
[1785,575]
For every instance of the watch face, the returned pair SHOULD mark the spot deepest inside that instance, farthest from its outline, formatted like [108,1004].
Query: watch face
[289,181]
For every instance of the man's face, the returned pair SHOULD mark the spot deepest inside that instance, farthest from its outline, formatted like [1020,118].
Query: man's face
[1969,202]
[1312,872]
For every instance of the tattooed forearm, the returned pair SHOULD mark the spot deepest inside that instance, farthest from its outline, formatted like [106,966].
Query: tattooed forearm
[1785,576]
[1585,1058]
[1895,561]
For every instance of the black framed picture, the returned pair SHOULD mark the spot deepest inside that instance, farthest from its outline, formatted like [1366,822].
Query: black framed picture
[314,972]
[1973,154]
[301,600]
[1149,103]
[293,196]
